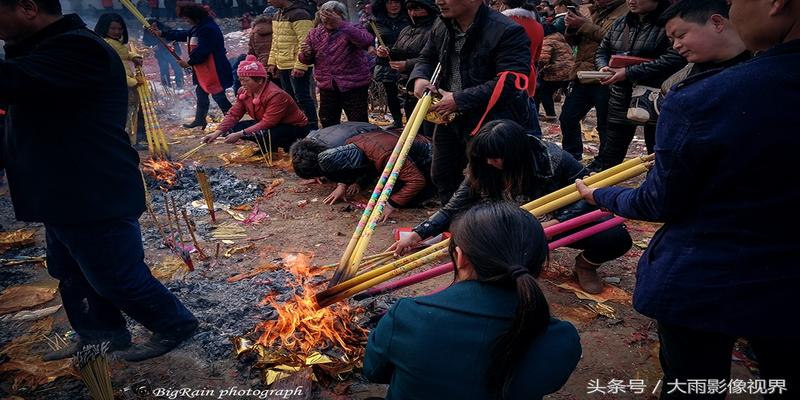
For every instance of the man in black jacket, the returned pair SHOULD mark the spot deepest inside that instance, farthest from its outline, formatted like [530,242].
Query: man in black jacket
[70,165]
[474,44]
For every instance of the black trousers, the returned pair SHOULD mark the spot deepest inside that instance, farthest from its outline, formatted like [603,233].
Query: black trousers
[449,160]
[618,139]
[203,103]
[544,95]
[393,101]
[333,101]
[691,354]
[579,101]
[101,274]
[282,135]
[604,246]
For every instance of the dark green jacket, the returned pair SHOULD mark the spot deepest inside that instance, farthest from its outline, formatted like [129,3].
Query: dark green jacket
[438,346]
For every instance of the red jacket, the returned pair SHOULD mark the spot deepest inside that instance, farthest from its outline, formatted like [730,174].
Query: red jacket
[378,146]
[272,107]
[535,32]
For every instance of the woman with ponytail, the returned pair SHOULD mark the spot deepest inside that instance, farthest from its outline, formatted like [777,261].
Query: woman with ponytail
[490,334]
[505,163]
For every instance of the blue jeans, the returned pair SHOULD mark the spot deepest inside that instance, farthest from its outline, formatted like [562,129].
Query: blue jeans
[536,127]
[579,101]
[300,90]
[101,272]
[165,62]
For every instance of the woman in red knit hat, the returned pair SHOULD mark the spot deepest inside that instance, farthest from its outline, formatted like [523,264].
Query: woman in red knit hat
[276,118]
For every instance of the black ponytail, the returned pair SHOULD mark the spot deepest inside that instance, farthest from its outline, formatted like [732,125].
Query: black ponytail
[506,245]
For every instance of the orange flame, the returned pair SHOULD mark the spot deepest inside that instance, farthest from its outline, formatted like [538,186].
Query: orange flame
[164,171]
[301,328]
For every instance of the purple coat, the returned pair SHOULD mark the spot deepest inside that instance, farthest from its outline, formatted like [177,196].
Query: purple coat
[339,56]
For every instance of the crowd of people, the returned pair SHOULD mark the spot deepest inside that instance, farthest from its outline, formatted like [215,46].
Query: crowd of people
[708,81]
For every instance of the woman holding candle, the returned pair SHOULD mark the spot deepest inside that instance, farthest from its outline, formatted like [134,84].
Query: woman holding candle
[276,119]
[507,164]
[211,69]
[487,336]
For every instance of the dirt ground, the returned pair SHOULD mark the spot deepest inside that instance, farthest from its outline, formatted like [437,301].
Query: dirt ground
[621,346]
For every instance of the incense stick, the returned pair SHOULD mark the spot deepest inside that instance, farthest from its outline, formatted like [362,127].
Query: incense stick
[190,152]
[191,234]
[208,194]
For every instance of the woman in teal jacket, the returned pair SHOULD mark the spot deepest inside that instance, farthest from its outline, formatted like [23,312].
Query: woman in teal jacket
[490,334]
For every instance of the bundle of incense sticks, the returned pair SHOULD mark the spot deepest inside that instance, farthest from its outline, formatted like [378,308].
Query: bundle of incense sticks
[354,253]
[92,366]
[543,205]
[229,232]
[208,194]
[156,141]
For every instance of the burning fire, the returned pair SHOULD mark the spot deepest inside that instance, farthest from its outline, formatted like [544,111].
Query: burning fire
[303,335]
[164,171]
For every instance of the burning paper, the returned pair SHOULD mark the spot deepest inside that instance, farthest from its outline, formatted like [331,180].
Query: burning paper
[162,171]
[328,340]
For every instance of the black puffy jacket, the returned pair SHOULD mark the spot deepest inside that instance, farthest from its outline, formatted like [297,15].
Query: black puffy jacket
[646,38]
[336,135]
[554,169]
[389,28]
[412,40]
[494,44]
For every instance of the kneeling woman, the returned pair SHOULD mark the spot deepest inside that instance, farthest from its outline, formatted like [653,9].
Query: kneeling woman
[488,335]
[507,164]
[276,118]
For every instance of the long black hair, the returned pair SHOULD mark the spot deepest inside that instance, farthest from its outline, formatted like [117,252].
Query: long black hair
[194,12]
[506,245]
[105,22]
[506,140]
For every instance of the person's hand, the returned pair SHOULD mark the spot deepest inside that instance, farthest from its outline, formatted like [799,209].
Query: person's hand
[184,64]
[353,190]
[154,31]
[234,137]
[210,137]
[405,244]
[272,69]
[298,73]
[337,194]
[140,80]
[387,211]
[619,75]
[331,18]
[137,61]
[446,106]
[586,192]
[382,52]
[419,87]
[574,20]
[397,65]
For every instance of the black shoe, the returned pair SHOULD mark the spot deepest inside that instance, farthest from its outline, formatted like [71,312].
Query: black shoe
[195,124]
[69,351]
[159,344]
[595,166]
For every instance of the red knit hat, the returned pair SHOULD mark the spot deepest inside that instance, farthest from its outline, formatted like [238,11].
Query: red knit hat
[251,67]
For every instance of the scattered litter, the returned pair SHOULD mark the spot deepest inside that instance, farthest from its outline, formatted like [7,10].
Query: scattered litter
[22,297]
[32,315]
[610,293]
[18,238]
